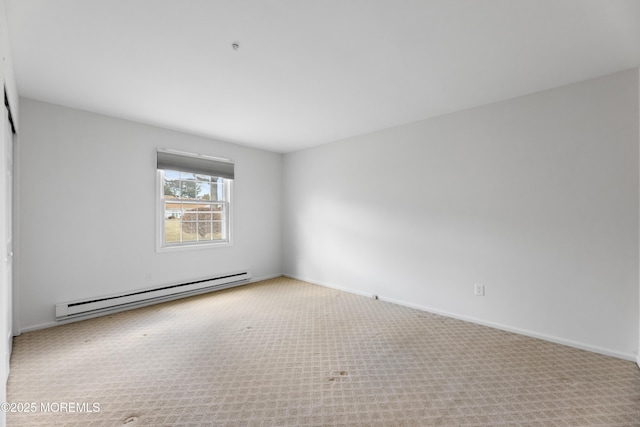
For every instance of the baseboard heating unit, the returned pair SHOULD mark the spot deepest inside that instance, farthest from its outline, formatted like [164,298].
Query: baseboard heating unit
[93,306]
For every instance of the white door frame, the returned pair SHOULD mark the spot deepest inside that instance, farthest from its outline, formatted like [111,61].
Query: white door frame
[15,226]
[8,159]
[5,257]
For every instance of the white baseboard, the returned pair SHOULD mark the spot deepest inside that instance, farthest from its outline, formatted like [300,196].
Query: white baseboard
[330,285]
[262,278]
[594,349]
[40,326]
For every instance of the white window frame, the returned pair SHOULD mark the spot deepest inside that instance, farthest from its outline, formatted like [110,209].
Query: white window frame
[162,246]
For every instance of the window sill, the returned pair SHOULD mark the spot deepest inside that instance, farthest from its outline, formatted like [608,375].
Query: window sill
[194,246]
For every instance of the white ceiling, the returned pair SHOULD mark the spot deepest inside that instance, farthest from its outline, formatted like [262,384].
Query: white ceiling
[308,71]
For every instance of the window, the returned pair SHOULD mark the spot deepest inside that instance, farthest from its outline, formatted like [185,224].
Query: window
[194,200]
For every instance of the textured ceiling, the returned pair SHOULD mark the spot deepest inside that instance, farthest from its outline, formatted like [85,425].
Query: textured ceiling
[308,72]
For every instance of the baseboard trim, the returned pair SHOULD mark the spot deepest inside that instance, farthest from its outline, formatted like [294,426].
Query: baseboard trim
[525,332]
[41,326]
[263,278]
[330,285]
[64,322]
[569,343]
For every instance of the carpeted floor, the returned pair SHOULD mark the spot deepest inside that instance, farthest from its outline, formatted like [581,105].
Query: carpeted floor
[287,353]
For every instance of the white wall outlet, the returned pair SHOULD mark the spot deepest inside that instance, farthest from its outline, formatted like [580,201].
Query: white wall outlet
[478,290]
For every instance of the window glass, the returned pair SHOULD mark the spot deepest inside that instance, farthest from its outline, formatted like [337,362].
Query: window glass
[194,208]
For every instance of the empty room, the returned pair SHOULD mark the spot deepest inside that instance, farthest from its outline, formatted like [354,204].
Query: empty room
[320,213]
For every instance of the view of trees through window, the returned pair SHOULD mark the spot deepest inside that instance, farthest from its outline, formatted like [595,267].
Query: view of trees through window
[195,207]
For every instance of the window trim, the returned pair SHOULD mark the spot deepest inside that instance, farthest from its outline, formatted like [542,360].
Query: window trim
[161,246]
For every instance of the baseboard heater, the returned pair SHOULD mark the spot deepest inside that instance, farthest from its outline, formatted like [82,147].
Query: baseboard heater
[93,306]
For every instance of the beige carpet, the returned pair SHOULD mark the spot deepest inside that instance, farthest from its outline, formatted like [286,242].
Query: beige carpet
[287,353]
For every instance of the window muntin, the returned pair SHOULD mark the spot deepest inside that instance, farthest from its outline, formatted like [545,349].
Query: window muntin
[195,208]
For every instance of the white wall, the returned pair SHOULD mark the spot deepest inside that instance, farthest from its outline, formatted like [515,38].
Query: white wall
[534,197]
[88,209]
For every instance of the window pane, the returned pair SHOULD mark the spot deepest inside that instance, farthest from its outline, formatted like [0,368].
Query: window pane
[189,231]
[188,190]
[187,176]
[215,193]
[171,184]
[189,214]
[171,175]
[172,230]
[204,216]
[203,190]
[217,230]
[204,231]
[222,189]
[172,210]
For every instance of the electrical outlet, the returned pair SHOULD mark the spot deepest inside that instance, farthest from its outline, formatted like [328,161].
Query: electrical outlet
[478,290]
